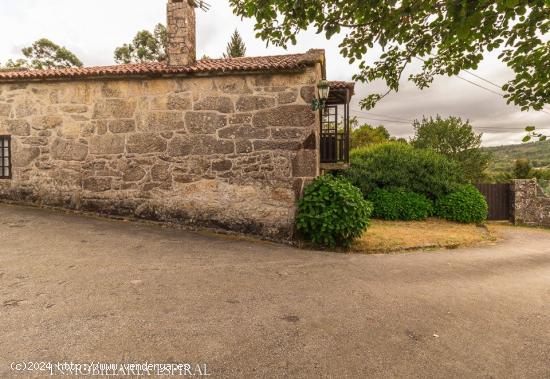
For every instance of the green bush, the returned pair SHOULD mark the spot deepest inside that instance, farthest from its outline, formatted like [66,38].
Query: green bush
[400,165]
[333,212]
[465,204]
[400,204]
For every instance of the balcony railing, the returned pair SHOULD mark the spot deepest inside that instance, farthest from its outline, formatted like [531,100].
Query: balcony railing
[334,147]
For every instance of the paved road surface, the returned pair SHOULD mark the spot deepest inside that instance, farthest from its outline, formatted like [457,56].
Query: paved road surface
[83,289]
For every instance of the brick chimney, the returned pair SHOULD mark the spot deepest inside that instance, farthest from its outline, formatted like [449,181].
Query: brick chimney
[181,32]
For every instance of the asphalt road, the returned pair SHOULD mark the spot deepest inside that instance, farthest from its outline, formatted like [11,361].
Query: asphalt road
[81,289]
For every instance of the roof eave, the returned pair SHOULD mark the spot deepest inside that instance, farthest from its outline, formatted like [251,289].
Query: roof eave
[143,76]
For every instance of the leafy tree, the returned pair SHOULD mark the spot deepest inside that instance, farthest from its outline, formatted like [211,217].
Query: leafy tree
[455,139]
[15,64]
[44,54]
[236,47]
[145,47]
[523,169]
[366,135]
[447,36]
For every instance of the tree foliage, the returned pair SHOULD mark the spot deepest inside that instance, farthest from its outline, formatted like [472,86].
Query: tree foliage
[236,47]
[45,54]
[523,169]
[366,135]
[145,47]
[533,133]
[455,139]
[448,36]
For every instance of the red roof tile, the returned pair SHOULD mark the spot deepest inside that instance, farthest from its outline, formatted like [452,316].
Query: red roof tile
[343,85]
[290,62]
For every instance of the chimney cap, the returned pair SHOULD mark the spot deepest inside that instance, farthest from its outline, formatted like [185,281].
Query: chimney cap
[194,3]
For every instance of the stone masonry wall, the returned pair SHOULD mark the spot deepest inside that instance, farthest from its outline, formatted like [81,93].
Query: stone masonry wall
[531,206]
[231,152]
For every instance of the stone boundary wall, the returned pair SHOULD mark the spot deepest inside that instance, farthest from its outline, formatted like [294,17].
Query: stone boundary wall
[231,152]
[530,205]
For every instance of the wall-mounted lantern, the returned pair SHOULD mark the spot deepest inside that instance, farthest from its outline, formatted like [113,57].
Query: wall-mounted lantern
[324,88]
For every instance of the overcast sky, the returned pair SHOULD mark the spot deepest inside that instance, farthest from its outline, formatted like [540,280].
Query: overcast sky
[93,29]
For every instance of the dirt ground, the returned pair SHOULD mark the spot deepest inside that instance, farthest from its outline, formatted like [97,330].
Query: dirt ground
[393,236]
[80,289]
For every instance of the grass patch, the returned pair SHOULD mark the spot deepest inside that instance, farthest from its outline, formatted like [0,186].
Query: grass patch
[394,236]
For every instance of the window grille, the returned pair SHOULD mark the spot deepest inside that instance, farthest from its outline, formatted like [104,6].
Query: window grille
[5,157]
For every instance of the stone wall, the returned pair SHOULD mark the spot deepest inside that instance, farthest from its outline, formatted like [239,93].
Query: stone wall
[231,152]
[530,205]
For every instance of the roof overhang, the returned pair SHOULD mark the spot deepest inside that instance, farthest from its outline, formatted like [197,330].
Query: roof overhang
[340,92]
[291,63]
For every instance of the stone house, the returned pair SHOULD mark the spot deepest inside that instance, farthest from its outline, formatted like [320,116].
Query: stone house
[220,143]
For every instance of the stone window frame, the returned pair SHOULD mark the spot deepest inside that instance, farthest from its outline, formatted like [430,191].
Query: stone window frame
[5,157]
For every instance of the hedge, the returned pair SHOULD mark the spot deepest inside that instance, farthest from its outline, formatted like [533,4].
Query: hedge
[394,165]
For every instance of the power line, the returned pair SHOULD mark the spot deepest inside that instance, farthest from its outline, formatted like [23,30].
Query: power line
[496,93]
[401,120]
[383,120]
[382,115]
[506,130]
[482,87]
[494,84]
[478,128]
[482,78]
[487,129]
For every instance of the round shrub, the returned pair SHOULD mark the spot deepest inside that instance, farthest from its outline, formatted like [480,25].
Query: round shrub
[332,212]
[400,204]
[465,204]
[400,165]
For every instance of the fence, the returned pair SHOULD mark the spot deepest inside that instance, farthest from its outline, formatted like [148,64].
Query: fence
[499,199]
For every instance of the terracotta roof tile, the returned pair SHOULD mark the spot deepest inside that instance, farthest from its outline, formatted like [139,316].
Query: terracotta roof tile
[290,62]
[343,85]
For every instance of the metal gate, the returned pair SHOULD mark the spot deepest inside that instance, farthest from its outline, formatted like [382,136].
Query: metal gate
[499,199]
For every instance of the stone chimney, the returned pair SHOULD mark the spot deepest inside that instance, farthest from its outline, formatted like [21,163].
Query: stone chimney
[181,32]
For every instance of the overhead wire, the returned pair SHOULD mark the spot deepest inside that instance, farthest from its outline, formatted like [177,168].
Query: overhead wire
[401,120]
[381,115]
[482,87]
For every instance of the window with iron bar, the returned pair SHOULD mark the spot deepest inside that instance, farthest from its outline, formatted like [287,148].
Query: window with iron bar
[5,157]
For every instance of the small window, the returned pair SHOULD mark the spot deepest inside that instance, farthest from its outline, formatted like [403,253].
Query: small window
[5,157]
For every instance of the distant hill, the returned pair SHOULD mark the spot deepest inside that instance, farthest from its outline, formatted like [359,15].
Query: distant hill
[505,156]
